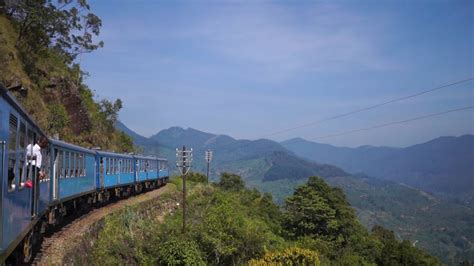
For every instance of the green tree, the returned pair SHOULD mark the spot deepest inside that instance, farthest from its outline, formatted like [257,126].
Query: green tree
[196,177]
[231,182]
[110,110]
[58,118]
[399,253]
[290,256]
[66,26]
[178,250]
[316,209]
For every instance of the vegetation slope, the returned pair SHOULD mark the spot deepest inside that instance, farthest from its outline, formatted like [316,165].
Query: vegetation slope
[228,224]
[440,226]
[39,43]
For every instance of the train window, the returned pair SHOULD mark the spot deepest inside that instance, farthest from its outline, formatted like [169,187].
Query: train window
[74,169]
[13,124]
[115,166]
[84,171]
[71,164]
[74,165]
[60,166]
[79,158]
[22,152]
[66,163]
[111,169]
[107,165]
[31,143]
[78,165]
[46,165]
[112,165]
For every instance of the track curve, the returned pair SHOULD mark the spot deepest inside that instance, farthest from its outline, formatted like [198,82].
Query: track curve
[55,246]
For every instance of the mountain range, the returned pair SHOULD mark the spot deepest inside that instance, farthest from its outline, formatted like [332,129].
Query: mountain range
[443,166]
[424,218]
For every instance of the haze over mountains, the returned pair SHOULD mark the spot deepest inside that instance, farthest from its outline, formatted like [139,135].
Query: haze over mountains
[444,165]
[275,168]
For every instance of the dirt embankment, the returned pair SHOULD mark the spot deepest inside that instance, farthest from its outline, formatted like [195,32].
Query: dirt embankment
[77,238]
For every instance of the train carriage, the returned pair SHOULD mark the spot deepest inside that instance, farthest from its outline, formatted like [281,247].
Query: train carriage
[74,177]
[146,168]
[115,169]
[20,208]
[74,172]
[163,172]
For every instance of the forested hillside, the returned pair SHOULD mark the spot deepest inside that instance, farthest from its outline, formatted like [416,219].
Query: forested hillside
[40,43]
[228,224]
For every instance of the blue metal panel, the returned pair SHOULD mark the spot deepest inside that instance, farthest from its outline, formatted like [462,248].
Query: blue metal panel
[127,178]
[111,180]
[44,196]
[164,173]
[69,187]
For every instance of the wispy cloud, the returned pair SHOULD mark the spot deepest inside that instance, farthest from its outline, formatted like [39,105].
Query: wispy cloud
[271,40]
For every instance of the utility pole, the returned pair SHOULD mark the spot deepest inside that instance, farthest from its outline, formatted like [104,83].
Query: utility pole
[184,164]
[208,158]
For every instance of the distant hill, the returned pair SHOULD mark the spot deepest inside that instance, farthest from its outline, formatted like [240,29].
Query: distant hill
[443,165]
[270,167]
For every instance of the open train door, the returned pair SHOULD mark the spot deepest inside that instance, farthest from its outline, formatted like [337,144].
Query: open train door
[3,174]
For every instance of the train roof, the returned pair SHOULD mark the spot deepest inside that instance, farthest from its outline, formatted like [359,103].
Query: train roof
[71,146]
[144,157]
[10,98]
[113,154]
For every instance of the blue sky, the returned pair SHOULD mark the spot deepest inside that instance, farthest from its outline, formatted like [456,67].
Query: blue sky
[251,68]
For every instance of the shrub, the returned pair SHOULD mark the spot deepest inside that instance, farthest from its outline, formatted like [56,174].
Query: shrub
[178,250]
[290,256]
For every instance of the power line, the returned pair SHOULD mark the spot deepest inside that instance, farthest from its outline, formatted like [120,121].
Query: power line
[388,124]
[369,107]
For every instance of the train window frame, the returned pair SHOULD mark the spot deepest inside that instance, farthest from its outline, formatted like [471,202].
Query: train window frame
[31,140]
[106,165]
[67,163]
[60,166]
[80,167]
[12,155]
[22,164]
[84,167]
[46,165]
[112,166]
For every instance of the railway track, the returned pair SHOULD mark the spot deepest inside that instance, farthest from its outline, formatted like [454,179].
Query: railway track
[57,242]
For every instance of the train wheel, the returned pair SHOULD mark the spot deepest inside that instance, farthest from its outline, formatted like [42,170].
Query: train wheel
[27,248]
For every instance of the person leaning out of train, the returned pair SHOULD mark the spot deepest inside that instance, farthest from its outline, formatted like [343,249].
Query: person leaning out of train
[34,160]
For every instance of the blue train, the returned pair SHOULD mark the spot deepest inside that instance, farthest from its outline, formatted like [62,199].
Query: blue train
[71,178]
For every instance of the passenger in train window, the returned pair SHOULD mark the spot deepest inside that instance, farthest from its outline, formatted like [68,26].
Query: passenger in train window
[34,158]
